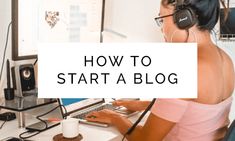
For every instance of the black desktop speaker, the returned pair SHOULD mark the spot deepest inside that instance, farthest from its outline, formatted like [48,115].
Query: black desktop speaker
[23,79]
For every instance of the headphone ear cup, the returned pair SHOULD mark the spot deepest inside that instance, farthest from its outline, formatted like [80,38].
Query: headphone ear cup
[184,18]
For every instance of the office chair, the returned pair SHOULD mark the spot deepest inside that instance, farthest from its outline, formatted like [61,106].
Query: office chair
[230,135]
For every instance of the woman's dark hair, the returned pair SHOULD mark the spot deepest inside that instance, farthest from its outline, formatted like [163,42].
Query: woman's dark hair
[207,11]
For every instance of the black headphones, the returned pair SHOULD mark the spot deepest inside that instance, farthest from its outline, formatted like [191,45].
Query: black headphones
[184,17]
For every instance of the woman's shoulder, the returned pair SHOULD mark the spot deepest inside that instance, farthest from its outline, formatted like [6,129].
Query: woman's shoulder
[215,76]
[228,69]
[214,62]
[226,59]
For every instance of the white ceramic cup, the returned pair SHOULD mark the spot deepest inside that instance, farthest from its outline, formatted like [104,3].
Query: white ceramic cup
[70,127]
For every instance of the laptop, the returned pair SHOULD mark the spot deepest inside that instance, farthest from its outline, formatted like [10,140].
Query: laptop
[80,107]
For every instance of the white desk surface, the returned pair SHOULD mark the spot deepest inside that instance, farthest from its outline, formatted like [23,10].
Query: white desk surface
[89,133]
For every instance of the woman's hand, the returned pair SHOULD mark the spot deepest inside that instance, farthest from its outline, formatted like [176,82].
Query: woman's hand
[103,116]
[132,105]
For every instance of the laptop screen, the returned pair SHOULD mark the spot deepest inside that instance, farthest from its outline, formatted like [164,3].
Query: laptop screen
[68,101]
[76,104]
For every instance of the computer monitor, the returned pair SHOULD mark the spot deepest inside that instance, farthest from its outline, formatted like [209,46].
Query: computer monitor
[43,21]
[227,30]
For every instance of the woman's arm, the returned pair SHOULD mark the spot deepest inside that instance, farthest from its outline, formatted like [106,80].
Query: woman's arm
[155,128]
[132,105]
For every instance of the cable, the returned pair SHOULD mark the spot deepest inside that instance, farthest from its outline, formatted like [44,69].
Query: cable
[38,117]
[3,124]
[102,21]
[65,110]
[35,62]
[4,53]
[214,35]
[132,128]
[187,30]
[46,126]
[21,135]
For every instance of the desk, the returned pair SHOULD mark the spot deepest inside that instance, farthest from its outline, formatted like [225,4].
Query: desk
[22,104]
[89,133]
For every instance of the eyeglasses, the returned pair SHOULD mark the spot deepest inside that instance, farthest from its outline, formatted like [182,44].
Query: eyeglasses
[159,20]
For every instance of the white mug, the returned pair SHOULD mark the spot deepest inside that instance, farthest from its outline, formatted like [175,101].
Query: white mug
[70,127]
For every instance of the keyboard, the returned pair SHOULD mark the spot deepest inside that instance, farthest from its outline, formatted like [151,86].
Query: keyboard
[107,106]
[118,109]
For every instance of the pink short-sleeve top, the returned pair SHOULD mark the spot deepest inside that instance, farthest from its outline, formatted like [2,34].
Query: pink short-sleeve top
[194,121]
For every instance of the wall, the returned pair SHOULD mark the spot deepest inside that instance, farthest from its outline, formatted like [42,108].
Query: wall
[132,18]
[5,18]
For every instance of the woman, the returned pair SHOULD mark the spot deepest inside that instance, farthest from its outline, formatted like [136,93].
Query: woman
[202,119]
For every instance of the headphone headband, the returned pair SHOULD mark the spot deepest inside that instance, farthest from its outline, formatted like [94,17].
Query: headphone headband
[179,2]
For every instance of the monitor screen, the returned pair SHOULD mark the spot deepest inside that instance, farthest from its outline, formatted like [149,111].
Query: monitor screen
[53,21]
[227,29]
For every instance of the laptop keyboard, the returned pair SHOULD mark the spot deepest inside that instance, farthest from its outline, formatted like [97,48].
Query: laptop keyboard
[107,106]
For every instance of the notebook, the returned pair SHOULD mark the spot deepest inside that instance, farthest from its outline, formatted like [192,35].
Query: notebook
[80,107]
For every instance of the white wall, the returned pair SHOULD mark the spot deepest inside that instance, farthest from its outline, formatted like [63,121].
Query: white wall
[132,18]
[5,18]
